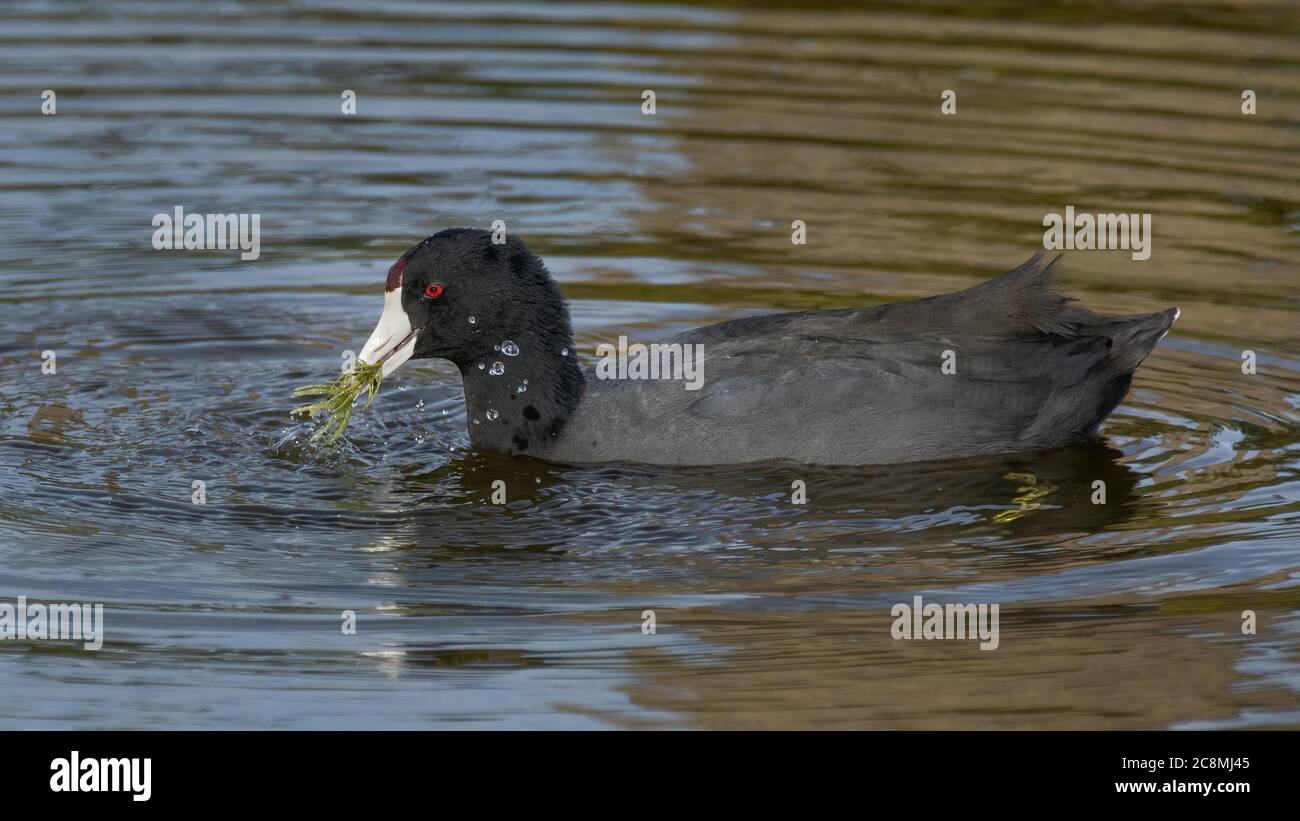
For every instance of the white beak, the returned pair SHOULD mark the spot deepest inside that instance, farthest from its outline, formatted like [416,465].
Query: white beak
[393,341]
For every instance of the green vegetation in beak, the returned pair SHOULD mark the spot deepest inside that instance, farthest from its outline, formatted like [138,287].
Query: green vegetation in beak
[340,395]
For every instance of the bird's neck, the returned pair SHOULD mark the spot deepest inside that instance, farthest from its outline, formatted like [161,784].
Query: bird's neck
[518,404]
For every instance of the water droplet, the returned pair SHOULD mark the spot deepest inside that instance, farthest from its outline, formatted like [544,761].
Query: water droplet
[497,369]
[472,320]
[481,366]
[476,421]
[564,351]
[525,381]
[496,347]
[509,348]
[521,389]
[419,405]
[492,414]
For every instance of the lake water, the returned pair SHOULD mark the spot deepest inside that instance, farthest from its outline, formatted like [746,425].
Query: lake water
[176,367]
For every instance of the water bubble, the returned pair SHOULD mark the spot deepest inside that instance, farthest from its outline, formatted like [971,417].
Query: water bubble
[521,389]
[525,381]
[419,405]
[497,369]
[472,320]
[509,348]
[496,347]
[564,351]
[476,421]
[492,414]
[481,366]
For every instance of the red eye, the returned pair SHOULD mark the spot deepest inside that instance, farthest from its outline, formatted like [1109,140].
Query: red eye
[433,290]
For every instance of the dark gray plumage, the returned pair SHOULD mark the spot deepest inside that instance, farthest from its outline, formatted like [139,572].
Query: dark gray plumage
[847,387]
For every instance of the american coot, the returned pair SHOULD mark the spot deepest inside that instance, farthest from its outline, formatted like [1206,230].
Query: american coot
[1006,365]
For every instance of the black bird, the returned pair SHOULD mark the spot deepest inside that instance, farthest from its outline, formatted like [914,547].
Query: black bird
[1007,365]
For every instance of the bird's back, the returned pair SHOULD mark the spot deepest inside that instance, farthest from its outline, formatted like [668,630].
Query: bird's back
[1009,364]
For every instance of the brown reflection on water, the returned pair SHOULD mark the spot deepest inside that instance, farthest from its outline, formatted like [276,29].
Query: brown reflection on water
[1052,670]
[833,118]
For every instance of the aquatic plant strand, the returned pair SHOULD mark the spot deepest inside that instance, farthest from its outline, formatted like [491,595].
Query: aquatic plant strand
[340,396]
